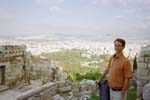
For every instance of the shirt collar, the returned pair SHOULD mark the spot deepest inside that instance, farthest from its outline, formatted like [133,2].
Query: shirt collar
[118,56]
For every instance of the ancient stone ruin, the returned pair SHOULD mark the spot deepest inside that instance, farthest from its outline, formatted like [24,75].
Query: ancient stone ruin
[17,66]
[22,77]
[14,65]
[143,74]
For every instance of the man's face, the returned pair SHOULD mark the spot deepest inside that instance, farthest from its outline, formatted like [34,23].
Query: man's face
[118,47]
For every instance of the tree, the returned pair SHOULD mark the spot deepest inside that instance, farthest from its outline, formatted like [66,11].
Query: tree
[135,64]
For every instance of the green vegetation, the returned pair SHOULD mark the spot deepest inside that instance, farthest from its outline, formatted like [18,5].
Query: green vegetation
[89,75]
[135,63]
[71,61]
[131,95]
[94,97]
[93,75]
[147,55]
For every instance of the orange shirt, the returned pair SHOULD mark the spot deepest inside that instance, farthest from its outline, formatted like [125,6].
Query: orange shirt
[119,70]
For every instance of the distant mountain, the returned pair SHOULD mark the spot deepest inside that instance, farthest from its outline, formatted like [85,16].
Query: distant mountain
[66,36]
[7,36]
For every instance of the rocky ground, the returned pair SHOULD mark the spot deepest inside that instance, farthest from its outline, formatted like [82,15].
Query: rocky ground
[66,91]
[59,97]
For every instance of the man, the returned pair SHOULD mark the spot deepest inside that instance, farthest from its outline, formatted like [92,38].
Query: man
[119,71]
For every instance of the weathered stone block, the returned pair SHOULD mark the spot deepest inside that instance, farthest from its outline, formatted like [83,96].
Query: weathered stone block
[140,59]
[65,89]
[143,71]
[58,97]
[144,77]
[83,93]
[142,65]
[141,82]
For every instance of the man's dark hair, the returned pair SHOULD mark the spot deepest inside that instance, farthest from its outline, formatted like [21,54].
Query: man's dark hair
[122,41]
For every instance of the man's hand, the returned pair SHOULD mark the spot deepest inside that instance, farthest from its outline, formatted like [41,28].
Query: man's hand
[123,93]
[97,82]
[126,86]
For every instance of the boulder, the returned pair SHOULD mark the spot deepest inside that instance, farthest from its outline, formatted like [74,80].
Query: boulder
[146,92]
[57,97]
[65,89]
[85,97]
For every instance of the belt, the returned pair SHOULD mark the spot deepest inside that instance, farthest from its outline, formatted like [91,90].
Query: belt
[116,89]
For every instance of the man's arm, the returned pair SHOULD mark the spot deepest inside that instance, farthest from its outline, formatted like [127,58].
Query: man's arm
[102,76]
[128,76]
[126,86]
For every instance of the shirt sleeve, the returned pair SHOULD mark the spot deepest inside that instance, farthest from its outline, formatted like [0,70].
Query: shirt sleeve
[127,69]
[110,61]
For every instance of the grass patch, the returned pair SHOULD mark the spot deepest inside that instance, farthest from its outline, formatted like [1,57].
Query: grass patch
[94,97]
[132,94]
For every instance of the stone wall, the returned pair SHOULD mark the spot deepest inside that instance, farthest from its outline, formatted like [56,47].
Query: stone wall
[46,71]
[44,92]
[143,70]
[12,58]
[62,90]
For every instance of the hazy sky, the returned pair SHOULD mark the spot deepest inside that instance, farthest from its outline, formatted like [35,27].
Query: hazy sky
[74,16]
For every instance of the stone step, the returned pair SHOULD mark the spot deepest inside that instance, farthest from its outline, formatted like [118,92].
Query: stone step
[3,88]
[8,95]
